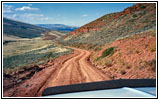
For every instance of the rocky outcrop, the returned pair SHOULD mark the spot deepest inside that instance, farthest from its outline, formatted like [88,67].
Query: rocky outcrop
[132,9]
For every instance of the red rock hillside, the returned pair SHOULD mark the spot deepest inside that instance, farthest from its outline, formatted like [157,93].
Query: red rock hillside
[106,19]
[133,58]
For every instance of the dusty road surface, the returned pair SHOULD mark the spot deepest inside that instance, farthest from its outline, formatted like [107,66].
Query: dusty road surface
[69,69]
[76,69]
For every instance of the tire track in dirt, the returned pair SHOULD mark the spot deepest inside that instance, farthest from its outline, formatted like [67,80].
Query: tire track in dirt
[90,72]
[74,70]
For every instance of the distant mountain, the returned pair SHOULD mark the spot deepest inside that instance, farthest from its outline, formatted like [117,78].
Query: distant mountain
[53,35]
[58,27]
[110,27]
[22,30]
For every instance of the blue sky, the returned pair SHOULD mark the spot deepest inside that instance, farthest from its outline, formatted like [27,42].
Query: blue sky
[74,14]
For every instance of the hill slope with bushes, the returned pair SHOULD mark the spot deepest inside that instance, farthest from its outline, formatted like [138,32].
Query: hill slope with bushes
[133,20]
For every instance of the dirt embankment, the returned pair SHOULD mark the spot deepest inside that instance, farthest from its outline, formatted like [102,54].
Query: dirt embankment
[134,57]
[69,69]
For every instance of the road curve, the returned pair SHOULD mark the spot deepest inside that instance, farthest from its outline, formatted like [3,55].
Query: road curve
[74,70]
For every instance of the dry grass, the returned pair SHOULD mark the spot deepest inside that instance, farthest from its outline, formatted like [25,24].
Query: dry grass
[34,51]
[20,47]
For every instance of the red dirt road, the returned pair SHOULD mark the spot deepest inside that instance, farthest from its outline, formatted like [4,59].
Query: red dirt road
[69,69]
[76,69]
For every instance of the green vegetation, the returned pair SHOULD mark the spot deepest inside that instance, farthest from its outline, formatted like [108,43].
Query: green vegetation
[36,51]
[137,51]
[24,46]
[104,61]
[110,29]
[6,42]
[108,51]
[153,48]
[152,63]
[134,15]
[97,49]
[142,6]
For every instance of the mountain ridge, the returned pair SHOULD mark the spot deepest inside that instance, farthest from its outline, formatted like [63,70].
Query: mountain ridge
[100,22]
[58,27]
[21,29]
[135,19]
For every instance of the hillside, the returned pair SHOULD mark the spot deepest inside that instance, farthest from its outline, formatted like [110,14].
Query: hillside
[110,27]
[123,43]
[13,28]
[58,27]
[53,35]
[133,57]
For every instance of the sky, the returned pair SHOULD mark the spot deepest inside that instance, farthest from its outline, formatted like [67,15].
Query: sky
[73,14]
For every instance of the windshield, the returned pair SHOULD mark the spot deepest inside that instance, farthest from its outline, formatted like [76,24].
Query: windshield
[52,44]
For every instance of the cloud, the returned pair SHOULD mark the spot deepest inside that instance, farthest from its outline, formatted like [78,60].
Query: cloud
[43,19]
[32,15]
[29,4]
[85,15]
[26,8]
[29,17]
[7,8]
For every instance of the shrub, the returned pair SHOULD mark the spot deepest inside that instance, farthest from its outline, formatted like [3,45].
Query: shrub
[98,58]
[152,63]
[134,15]
[108,62]
[6,42]
[123,72]
[101,61]
[97,49]
[108,51]
[142,6]
[132,20]
[32,57]
[128,66]
[137,51]
[153,48]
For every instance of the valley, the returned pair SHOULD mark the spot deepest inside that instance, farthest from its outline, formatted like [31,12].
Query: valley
[120,45]
[33,51]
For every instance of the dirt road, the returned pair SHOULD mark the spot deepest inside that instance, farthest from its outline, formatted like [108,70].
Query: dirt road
[73,70]
[69,69]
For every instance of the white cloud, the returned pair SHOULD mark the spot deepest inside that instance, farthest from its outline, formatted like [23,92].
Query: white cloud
[7,9]
[29,4]
[29,17]
[85,15]
[8,6]
[32,15]
[43,19]
[26,8]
